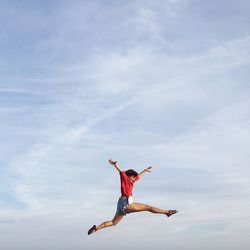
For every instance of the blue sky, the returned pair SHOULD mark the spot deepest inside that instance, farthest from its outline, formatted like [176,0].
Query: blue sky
[161,83]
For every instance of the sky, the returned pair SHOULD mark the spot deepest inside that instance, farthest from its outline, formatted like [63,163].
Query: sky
[148,83]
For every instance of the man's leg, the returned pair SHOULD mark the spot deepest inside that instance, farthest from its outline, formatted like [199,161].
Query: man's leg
[138,207]
[117,218]
[113,222]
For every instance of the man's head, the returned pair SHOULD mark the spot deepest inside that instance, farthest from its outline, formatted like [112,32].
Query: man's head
[132,174]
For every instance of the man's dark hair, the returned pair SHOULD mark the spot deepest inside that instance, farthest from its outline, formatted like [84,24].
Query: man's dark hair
[131,172]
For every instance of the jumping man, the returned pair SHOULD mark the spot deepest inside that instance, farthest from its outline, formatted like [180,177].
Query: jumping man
[125,204]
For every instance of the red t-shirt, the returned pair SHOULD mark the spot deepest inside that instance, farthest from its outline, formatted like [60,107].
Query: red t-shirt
[126,184]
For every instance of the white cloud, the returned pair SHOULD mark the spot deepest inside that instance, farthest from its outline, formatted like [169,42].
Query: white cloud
[124,97]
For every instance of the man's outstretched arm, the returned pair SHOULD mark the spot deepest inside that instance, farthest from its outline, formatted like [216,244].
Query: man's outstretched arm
[146,170]
[114,163]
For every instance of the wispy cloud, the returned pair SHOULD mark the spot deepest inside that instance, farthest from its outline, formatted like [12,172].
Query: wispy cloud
[118,86]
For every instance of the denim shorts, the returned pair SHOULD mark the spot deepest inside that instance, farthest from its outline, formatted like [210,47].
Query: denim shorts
[122,204]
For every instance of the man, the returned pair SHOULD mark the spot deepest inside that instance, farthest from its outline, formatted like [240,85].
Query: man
[125,204]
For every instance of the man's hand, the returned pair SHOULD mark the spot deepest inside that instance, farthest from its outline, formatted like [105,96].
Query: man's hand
[112,162]
[148,169]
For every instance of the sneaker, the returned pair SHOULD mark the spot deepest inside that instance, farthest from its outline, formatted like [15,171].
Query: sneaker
[92,230]
[171,212]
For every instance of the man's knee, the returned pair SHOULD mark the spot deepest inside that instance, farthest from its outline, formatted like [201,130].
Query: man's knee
[114,223]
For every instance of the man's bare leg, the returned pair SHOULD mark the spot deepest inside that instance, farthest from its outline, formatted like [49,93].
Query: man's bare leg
[117,218]
[138,207]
